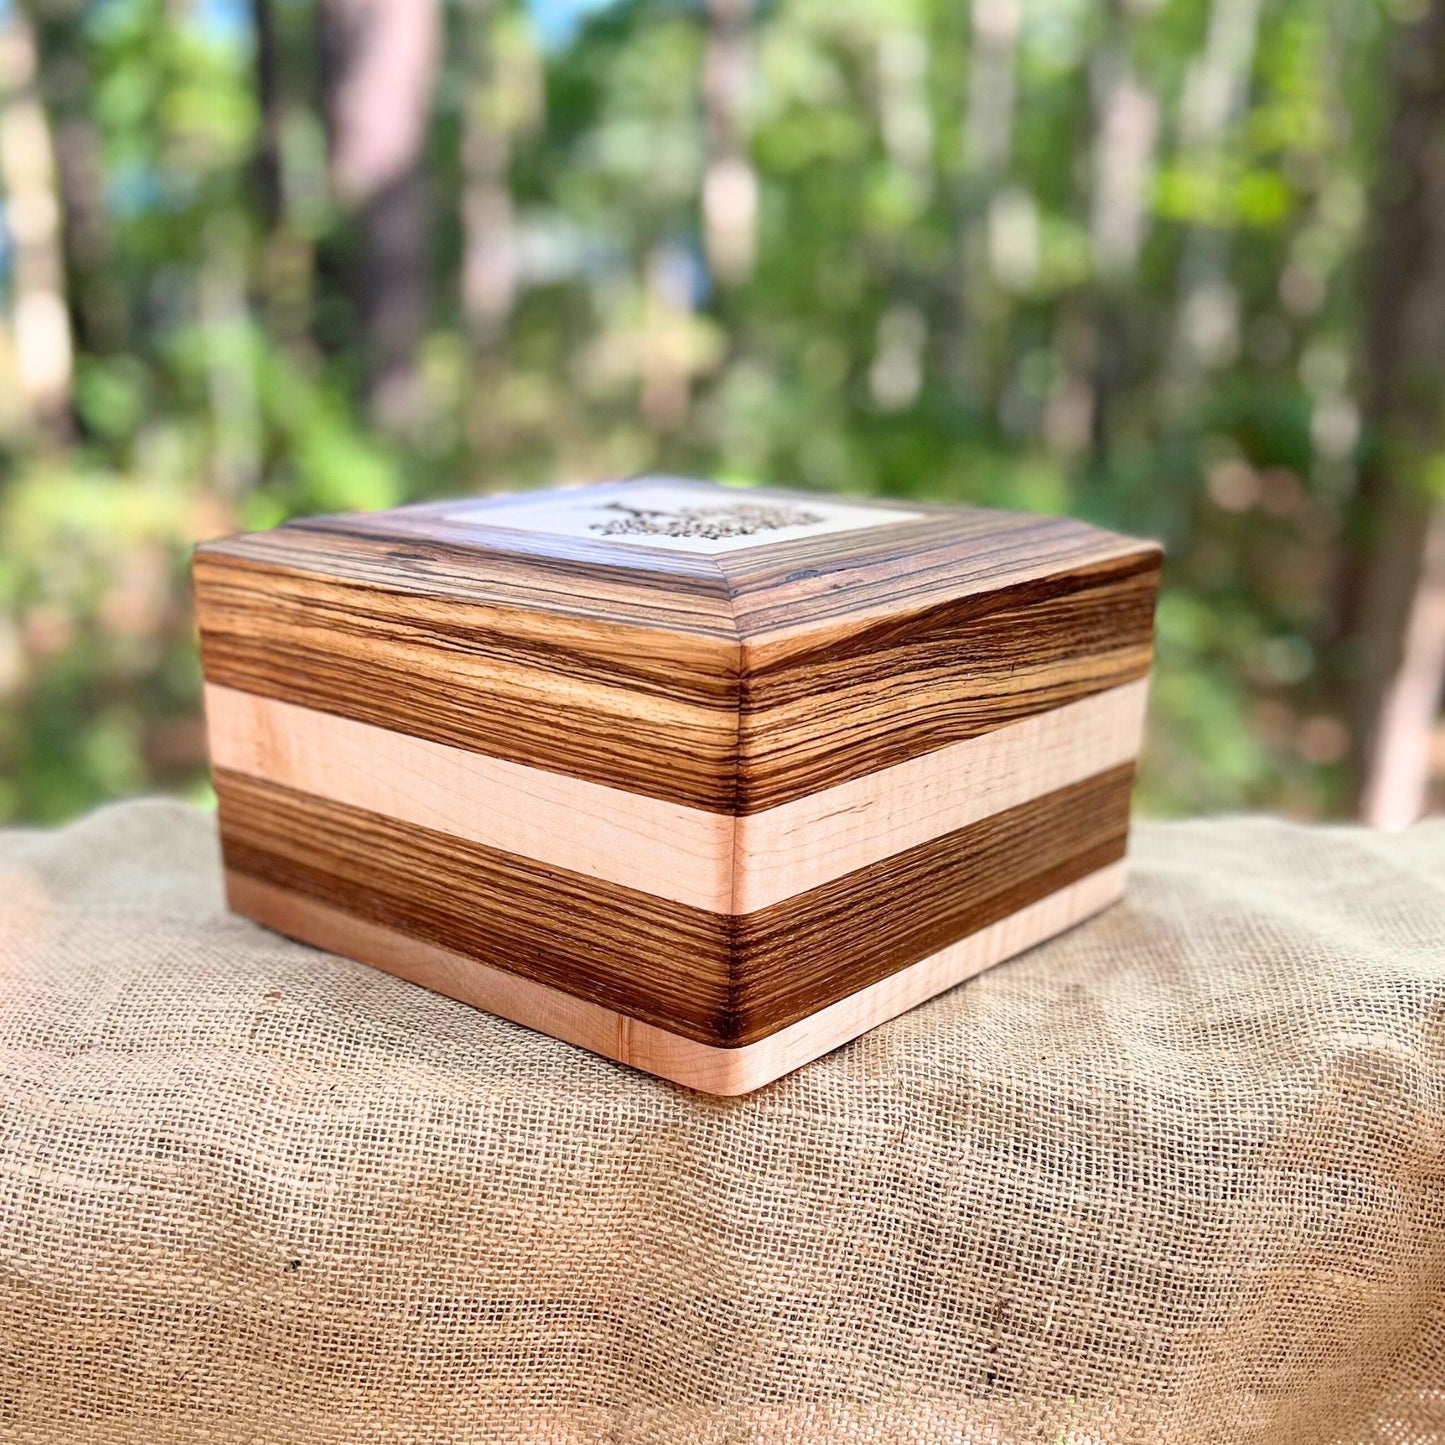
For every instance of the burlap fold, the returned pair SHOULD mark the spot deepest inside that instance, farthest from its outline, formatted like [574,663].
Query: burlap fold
[1177,1176]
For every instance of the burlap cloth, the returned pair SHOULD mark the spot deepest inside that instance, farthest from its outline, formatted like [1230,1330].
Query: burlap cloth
[1178,1176]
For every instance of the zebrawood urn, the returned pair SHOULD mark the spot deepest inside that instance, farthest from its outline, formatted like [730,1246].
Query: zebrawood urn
[707,781]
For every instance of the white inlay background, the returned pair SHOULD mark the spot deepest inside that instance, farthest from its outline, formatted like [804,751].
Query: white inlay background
[678,517]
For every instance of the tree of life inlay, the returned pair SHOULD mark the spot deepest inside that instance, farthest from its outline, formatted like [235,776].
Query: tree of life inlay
[732,519]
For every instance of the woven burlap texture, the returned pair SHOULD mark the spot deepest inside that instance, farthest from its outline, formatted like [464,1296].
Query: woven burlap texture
[1177,1176]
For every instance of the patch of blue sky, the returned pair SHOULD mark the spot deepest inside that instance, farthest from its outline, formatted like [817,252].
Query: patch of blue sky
[558,21]
[225,19]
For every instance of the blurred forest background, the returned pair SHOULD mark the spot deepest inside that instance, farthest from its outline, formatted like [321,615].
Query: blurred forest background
[1177,266]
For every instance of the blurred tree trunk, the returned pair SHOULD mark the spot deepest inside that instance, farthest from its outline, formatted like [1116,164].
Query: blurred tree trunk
[270,183]
[224,308]
[1396,606]
[33,213]
[99,316]
[1216,96]
[1126,127]
[992,87]
[489,262]
[379,64]
[504,99]
[900,351]
[984,228]
[288,254]
[730,185]
[665,363]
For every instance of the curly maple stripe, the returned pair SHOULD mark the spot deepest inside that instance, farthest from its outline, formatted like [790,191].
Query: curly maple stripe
[687,855]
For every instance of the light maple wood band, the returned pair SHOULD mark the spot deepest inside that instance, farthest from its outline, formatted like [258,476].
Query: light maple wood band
[723,979]
[658,1051]
[688,855]
[680,853]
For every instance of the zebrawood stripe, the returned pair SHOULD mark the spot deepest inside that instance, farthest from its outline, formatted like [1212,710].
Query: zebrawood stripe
[785,596]
[627,706]
[709,722]
[688,855]
[631,1041]
[404,551]
[717,979]
[806,952]
[850,704]
[620,947]
[774,590]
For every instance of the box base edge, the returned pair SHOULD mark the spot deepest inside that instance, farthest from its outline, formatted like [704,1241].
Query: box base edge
[626,1040]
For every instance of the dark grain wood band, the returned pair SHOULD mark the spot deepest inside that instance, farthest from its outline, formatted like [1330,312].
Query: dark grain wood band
[720,980]
[807,951]
[648,710]
[892,690]
[689,717]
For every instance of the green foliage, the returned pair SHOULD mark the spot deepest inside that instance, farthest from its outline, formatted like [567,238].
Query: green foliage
[919,323]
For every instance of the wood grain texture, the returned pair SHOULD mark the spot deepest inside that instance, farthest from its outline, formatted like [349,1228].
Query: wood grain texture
[723,980]
[411,550]
[678,853]
[799,845]
[625,705]
[727,1071]
[794,595]
[770,592]
[620,947]
[806,952]
[856,700]
[734,683]
[704,859]
[625,768]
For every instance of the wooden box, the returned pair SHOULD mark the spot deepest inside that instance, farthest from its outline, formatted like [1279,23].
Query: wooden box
[707,781]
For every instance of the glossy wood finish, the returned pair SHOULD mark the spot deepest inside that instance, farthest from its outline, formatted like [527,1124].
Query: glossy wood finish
[732,683]
[615,764]
[647,708]
[898,688]
[688,855]
[721,979]
[812,840]
[644,1046]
